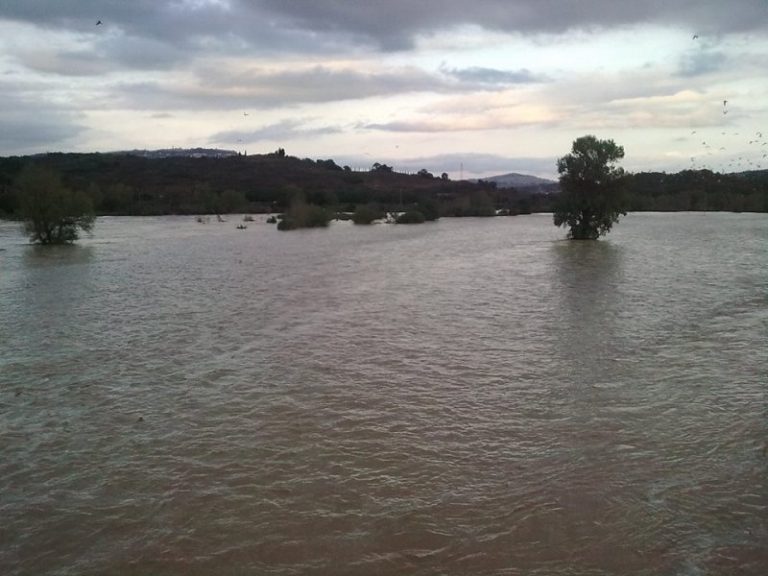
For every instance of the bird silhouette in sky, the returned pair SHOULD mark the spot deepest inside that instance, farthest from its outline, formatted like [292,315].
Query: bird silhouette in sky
[695,36]
[98,23]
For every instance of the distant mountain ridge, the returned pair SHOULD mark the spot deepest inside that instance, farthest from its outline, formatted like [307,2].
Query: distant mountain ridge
[524,182]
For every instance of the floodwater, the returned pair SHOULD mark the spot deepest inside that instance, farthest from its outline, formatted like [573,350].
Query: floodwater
[471,397]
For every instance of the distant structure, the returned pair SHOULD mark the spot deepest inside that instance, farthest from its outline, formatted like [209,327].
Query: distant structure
[182,153]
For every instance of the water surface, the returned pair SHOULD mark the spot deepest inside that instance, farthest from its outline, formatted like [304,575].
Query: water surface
[472,396]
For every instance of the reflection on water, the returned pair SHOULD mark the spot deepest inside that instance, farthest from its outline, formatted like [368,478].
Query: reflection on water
[464,397]
[38,256]
[587,276]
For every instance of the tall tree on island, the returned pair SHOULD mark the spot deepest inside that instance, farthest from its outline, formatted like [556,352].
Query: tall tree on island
[591,197]
[52,213]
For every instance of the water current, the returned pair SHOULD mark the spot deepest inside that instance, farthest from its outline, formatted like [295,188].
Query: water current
[472,396]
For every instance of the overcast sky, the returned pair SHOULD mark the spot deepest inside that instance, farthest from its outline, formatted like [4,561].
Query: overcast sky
[470,88]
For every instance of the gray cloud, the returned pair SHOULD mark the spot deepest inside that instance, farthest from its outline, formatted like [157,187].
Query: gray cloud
[139,53]
[440,125]
[31,124]
[33,133]
[187,27]
[323,84]
[394,24]
[280,131]
[63,63]
[701,63]
[222,88]
[406,126]
[319,25]
[490,76]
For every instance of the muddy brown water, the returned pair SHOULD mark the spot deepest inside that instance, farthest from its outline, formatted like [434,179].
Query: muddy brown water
[473,396]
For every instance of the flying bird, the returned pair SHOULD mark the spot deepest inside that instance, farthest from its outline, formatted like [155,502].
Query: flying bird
[695,36]
[98,23]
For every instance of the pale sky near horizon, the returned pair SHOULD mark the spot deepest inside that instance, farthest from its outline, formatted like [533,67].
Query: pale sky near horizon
[469,88]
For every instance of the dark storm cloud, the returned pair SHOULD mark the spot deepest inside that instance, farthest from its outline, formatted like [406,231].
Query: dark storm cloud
[301,25]
[395,23]
[193,27]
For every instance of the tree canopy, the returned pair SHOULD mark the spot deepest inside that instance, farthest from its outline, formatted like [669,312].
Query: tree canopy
[591,199]
[52,213]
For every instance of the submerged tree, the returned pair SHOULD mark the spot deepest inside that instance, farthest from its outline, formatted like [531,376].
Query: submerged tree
[303,215]
[591,199]
[367,213]
[52,213]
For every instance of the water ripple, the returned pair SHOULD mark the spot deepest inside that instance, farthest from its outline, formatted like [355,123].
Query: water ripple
[467,397]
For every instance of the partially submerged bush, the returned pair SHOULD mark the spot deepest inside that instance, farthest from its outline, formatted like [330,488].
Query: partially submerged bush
[52,213]
[410,217]
[429,208]
[301,215]
[366,214]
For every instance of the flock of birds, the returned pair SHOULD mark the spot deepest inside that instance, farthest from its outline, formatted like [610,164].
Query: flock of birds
[714,153]
[754,159]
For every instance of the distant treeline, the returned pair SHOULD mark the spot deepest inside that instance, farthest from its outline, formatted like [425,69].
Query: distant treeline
[698,190]
[128,184]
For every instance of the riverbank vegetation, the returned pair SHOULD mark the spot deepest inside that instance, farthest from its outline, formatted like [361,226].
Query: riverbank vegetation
[127,184]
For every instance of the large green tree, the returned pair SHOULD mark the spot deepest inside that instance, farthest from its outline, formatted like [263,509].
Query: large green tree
[591,198]
[52,213]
